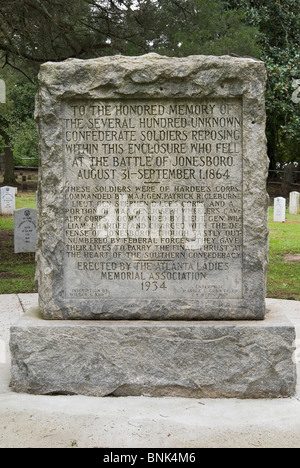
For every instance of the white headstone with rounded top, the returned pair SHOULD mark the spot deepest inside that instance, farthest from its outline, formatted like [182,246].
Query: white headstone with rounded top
[279,209]
[7,200]
[294,207]
[25,230]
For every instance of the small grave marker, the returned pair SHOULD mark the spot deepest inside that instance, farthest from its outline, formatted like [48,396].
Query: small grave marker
[279,209]
[294,203]
[7,200]
[25,230]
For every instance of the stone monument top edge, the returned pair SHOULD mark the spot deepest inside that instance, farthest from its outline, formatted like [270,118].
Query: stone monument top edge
[153,75]
[192,61]
[152,213]
[155,56]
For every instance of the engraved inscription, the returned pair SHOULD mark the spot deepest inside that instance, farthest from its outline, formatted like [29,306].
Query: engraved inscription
[153,199]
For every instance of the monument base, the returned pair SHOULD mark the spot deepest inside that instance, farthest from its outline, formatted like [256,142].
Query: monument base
[178,359]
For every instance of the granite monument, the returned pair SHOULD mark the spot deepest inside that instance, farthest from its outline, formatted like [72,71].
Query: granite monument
[153,243]
[152,193]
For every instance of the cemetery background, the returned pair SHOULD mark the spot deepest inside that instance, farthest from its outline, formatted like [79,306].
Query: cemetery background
[266,30]
[262,29]
[283,239]
[18,270]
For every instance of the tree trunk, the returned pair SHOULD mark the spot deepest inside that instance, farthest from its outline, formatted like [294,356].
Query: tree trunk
[9,167]
[272,144]
[272,156]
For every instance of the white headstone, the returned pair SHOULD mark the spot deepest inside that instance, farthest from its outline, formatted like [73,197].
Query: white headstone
[279,209]
[294,203]
[7,200]
[2,92]
[25,230]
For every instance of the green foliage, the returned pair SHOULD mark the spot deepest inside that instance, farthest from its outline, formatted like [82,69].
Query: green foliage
[16,119]
[283,113]
[284,275]
[25,144]
[54,30]
[35,31]
[22,126]
[32,32]
[21,95]
[190,27]
[281,53]
[278,25]
[17,270]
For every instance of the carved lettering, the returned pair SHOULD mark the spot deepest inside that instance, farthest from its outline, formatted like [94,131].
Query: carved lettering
[155,207]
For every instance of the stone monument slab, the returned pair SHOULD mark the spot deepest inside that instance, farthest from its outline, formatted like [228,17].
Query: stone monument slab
[279,210]
[25,230]
[153,240]
[208,359]
[152,191]
[7,200]
[294,207]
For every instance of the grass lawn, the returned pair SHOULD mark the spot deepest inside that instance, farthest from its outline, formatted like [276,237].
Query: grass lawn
[284,258]
[17,270]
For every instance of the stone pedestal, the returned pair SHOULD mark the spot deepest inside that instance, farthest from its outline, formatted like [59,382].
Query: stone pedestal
[240,359]
[153,232]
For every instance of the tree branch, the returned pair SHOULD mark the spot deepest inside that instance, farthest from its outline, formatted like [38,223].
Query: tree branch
[16,68]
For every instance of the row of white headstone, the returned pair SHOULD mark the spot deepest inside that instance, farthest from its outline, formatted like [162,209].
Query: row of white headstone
[280,207]
[25,221]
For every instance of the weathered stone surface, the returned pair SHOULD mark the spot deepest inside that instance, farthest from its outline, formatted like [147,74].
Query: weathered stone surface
[294,207]
[187,359]
[25,230]
[152,192]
